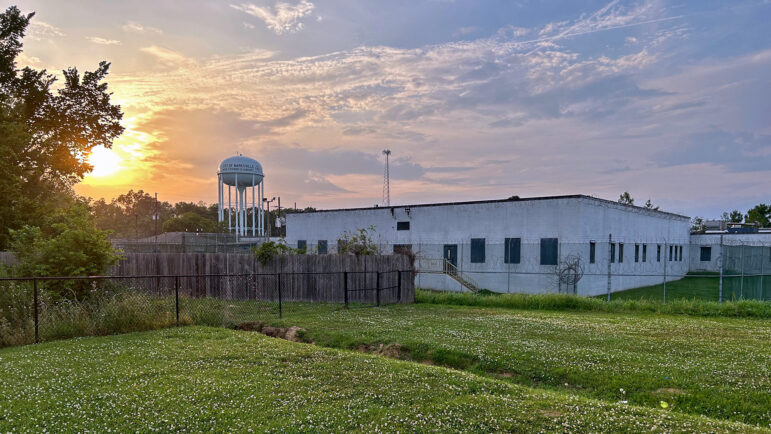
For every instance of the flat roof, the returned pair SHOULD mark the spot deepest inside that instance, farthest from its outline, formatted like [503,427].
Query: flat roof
[515,199]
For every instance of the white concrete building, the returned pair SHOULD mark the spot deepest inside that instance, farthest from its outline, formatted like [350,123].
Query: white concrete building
[516,245]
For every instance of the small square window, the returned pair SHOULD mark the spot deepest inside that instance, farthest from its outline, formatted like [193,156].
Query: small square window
[477,250]
[302,246]
[706,254]
[402,226]
[322,249]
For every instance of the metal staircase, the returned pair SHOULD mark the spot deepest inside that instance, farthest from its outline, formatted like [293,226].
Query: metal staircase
[467,282]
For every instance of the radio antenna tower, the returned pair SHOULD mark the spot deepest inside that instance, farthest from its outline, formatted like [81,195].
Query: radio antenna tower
[387,180]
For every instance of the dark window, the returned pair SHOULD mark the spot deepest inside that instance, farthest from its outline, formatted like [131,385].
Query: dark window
[339,247]
[612,253]
[637,253]
[620,252]
[322,247]
[592,251]
[404,249]
[549,251]
[512,248]
[645,252]
[706,254]
[402,226]
[477,250]
[302,246]
[658,252]
[670,253]
[681,254]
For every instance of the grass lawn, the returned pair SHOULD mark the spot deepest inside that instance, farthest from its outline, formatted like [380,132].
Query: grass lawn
[214,379]
[702,286]
[718,367]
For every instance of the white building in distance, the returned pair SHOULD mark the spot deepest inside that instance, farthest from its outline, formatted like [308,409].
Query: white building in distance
[517,244]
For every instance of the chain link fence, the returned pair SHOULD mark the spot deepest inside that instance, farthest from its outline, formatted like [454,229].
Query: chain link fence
[49,308]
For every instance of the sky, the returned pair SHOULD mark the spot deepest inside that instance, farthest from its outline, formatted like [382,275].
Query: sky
[669,100]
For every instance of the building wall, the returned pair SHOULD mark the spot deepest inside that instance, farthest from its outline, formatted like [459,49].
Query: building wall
[574,221]
[758,244]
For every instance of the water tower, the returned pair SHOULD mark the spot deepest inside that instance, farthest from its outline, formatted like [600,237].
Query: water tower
[240,174]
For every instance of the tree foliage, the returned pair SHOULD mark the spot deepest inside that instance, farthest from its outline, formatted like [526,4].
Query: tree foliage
[626,198]
[268,250]
[760,214]
[190,222]
[360,242]
[67,244]
[734,216]
[46,133]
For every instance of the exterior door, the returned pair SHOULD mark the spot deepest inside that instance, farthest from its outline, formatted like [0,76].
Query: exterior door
[451,255]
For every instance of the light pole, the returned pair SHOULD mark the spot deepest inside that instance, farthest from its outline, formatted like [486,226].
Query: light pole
[268,204]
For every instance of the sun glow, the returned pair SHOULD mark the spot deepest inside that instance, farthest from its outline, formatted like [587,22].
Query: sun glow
[105,161]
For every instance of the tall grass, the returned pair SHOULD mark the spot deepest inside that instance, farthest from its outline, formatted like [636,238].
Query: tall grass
[744,308]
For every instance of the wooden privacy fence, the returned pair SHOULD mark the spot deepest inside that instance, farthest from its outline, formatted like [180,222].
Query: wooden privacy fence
[311,278]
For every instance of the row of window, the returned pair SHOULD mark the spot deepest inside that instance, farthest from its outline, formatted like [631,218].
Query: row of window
[640,252]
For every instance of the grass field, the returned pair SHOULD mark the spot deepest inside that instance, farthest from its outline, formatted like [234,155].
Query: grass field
[718,367]
[702,286]
[213,379]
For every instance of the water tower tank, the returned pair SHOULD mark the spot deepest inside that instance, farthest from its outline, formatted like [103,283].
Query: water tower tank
[249,171]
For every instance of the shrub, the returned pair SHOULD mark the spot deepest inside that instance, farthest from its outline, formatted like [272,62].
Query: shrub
[359,243]
[266,251]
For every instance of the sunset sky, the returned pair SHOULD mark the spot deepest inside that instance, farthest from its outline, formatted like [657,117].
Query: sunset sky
[670,100]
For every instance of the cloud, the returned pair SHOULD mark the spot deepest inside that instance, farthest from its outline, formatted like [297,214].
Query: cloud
[167,57]
[135,27]
[102,41]
[282,17]
[39,30]
[735,151]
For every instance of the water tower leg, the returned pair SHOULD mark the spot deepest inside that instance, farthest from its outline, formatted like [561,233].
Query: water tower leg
[254,218]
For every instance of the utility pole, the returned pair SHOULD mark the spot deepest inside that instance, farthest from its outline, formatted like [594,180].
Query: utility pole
[268,214]
[387,179]
[278,219]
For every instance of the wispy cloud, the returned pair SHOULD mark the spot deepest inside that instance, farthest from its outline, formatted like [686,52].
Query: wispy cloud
[103,41]
[41,30]
[135,27]
[282,17]
[168,57]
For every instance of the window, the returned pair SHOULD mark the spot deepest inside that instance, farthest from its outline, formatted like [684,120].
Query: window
[706,254]
[681,254]
[477,250]
[403,249]
[670,253]
[549,251]
[592,251]
[302,246]
[402,226]
[620,252]
[612,253]
[645,252]
[658,252]
[637,253]
[512,249]
[322,249]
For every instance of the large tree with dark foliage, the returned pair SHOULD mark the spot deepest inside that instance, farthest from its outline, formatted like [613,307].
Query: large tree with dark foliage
[46,135]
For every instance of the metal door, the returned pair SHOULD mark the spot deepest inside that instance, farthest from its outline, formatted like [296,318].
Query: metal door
[451,255]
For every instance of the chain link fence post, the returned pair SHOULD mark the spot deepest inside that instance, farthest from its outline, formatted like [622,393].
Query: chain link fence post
[377,289]
[720,266]
[35,309]
[610,260]
[176,297]
[345,288]
[280,311]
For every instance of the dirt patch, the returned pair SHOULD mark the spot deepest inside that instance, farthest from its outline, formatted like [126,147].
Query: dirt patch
[294,333]
[506,374]
[392,351]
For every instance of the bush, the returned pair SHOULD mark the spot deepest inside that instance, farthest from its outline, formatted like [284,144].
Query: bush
[744,308]
[359,243]
[266,251]
[68,244]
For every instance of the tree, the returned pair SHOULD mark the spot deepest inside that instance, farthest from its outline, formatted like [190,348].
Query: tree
[190,222]
[359,243]
[66,244]
[697,224]
[626,199]
[760,214]
[734,216]
[131,215]
[46,135]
